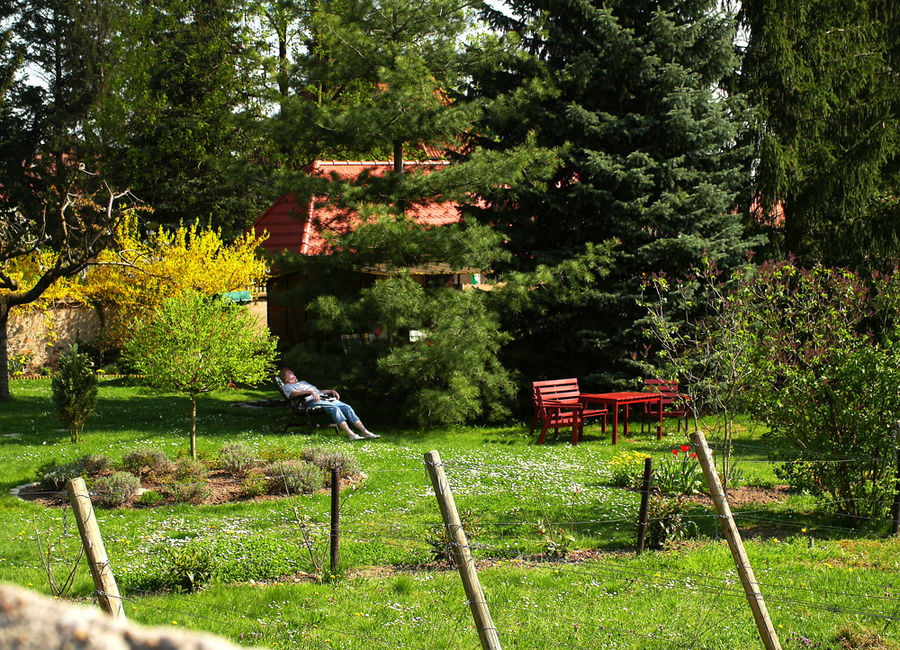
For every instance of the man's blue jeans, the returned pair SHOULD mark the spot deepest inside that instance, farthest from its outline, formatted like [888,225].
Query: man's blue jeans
[337,410]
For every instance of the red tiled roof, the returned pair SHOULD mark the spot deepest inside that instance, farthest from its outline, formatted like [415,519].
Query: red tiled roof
[300,228]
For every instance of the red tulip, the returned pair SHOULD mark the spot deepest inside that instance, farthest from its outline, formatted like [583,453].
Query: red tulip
[685,447]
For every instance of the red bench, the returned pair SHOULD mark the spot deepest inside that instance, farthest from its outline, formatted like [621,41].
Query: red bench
[558,403]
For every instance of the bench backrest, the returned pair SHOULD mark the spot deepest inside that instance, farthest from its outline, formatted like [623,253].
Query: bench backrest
[555,389]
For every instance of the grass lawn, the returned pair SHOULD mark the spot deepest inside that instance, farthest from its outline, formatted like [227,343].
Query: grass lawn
[820,578]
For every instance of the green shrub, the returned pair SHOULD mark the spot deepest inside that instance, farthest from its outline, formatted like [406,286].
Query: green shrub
[665,521]
[627,469]
[150,498]
[191,566]
[327,460]
[293,477]
[189,470]
[74,390]
[55,476]
[254,486]
[801,476]
[680,473]
[116,490]
[278,453]
[195,493]
[147,462]
[18,363]
[237,459]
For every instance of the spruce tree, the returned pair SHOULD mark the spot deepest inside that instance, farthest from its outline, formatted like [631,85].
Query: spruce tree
[823,79]
[628,93]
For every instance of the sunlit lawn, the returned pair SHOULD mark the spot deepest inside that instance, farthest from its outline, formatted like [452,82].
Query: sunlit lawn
[389,592]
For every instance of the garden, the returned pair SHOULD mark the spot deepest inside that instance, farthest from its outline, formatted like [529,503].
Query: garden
[552,528]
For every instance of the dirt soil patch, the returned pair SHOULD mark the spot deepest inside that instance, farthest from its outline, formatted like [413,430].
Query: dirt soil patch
[745,496]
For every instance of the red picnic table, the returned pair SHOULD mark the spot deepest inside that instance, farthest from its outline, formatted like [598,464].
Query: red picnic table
[613,401]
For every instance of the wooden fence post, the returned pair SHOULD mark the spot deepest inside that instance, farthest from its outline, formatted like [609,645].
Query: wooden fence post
[745,571]
[460,546]
[895,525]
[101,572]
[645,502]
[335,516]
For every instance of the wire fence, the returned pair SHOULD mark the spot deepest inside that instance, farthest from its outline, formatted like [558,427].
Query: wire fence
[580,595]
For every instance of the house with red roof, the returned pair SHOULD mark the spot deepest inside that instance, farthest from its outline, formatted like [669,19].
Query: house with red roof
[304,228]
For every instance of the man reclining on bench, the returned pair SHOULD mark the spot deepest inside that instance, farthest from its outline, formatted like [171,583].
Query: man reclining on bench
[329,401]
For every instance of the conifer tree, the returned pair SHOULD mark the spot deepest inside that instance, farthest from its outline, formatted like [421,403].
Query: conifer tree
[823,78]
[628,93]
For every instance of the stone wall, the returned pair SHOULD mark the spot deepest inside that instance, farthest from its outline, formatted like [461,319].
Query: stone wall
[44,335]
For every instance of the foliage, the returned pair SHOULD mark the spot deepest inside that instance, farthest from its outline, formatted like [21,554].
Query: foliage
[346,463]
[627,468]
[293,477]
[680,473]
[53,475]
[117,489]
[630,102]
[139,273]
[183,492]
[180,128]
[236,458]
[150,498]
[557,541]
[188,469]
[74,388]
[441,543]
[190,566]
[665,520]
[801,475]
[824,379]
[147,461]
[821,78]
[451,375]
[698,334]
[196,343]
[19,363]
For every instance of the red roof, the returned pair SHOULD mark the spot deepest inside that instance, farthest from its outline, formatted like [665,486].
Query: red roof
[300,227]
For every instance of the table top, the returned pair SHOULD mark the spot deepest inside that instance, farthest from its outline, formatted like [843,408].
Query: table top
[623,396]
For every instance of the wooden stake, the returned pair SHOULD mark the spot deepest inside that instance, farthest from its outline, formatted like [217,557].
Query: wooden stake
[895,525]
[745,571]
[104,580]
[645,503]
[335,516]
[460,546]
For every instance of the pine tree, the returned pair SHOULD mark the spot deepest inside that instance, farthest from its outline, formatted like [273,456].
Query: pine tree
[823,78]
[628,94]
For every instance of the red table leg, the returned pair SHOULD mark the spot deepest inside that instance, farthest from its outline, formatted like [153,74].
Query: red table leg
[659,426]
[615,426]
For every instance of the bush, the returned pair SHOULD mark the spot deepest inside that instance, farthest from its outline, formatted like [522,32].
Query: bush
[187,469]
[665,521]
[680,473]
[147,462]
[801,476]
[293,477]
[116,490]
[237,459]
[254,486]
[55,476]
[150,498]
[195,493]
[627,469]
[74,390]
[327,460]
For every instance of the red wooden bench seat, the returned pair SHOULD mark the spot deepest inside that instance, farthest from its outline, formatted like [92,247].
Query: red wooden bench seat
[558,403]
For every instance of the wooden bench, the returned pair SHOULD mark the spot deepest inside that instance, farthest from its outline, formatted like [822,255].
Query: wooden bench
[558,403]
[673,403]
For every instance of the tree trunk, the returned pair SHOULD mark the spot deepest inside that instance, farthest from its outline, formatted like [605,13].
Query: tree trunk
[398,157]
[194,427]
[4,355]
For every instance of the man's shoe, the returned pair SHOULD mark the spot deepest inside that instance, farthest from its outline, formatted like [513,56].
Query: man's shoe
[369,434]
[352,436]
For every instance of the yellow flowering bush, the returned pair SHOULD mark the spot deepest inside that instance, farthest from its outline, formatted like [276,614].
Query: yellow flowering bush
[627,468]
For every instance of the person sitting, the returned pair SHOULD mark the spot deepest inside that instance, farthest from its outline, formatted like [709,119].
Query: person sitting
[329,401]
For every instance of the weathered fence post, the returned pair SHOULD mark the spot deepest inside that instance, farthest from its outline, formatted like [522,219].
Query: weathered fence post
[460,546]
[745,571]
[101,572]
[895,527]
[335,516]
[645,502]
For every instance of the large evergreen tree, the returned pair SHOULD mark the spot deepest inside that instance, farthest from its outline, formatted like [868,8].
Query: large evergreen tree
[628,94]
[181,127]
[823,77]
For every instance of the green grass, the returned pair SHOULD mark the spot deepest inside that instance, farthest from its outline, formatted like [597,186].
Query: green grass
[818,577]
